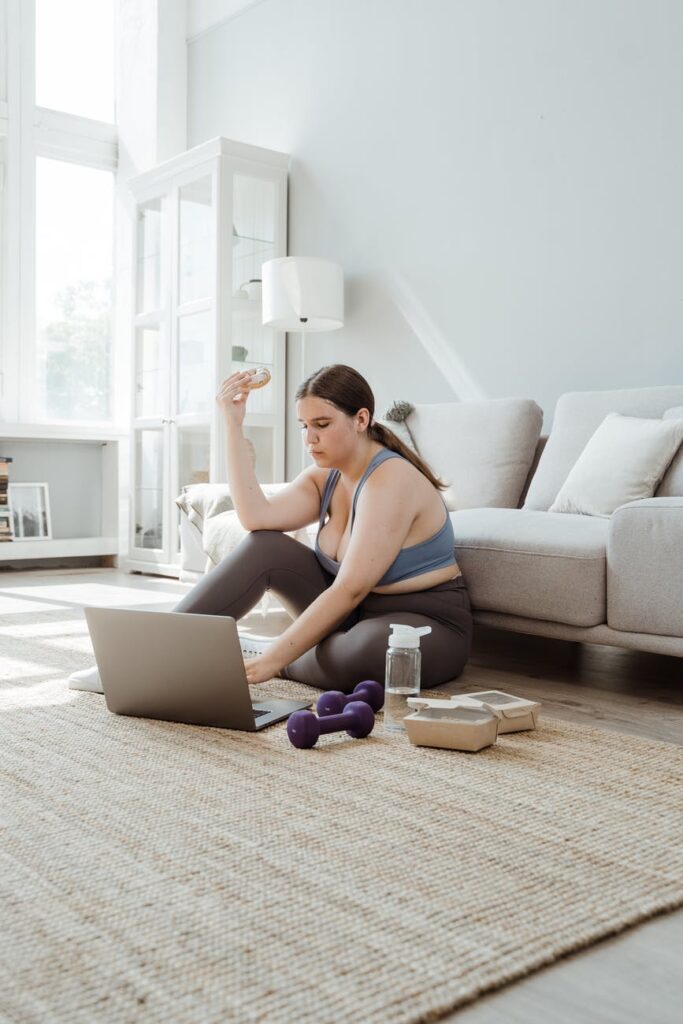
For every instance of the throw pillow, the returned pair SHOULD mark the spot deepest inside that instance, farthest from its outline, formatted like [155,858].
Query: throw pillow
[482,450]
[672,481]
[623,461]
[200,501]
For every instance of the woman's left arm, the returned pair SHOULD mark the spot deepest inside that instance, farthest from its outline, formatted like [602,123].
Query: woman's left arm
[384,514]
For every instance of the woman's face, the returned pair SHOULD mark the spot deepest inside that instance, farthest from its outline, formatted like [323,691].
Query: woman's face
[328,434]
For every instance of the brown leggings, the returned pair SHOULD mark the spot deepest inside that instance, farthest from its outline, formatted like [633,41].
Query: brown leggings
[356,650]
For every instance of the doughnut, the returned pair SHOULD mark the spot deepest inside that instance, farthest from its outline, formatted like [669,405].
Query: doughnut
[259,378]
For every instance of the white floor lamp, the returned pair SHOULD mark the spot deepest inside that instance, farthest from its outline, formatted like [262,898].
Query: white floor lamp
[301,293]
[305,294]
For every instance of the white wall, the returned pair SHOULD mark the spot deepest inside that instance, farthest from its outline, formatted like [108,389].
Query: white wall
[499,176]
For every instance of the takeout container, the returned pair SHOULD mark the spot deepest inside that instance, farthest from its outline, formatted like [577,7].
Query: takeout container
[442,723]
[517,713]
[468,721]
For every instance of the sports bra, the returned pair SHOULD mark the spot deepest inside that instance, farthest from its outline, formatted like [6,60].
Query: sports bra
[437,552]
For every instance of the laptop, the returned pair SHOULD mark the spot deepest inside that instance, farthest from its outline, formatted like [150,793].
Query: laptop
[178,667]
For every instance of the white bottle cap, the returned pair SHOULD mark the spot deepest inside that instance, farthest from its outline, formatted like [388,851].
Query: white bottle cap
[407,636]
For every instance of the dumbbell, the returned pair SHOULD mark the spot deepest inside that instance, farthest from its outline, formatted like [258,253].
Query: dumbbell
[334,701]
[304,728]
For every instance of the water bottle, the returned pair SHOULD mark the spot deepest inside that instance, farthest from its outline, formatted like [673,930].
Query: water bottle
[402,677]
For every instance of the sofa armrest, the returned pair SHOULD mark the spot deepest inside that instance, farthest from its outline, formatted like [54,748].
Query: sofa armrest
[201,501]
[645,567]
[222,534]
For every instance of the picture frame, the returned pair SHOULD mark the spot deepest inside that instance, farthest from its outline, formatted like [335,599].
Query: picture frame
[30,506]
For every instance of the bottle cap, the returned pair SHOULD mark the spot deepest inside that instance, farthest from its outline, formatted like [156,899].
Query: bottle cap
[407,636]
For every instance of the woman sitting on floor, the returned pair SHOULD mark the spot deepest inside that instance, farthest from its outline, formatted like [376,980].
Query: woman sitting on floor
[385,550]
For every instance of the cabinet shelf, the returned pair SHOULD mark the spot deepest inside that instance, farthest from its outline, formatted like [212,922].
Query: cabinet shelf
[60,432]
[83,469]
[241,364]
[66,547]
[250,238]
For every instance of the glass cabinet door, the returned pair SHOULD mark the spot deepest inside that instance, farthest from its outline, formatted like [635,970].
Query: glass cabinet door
[149,257]
[253,229]
[252,345]
[261,440]
[194,454]
[254,242]
[149,488]
[196,263]
[150,373]
[196,387]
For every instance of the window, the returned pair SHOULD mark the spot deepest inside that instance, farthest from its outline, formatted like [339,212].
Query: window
[3,53]
[74,270]
[74,45]
[3,233]
[3,196]
[57,223]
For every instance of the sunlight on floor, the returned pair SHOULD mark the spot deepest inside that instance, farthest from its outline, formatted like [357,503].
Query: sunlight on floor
[12,669]
[74,644]
[39,695]
[18,605]
[100,594]
[33,630]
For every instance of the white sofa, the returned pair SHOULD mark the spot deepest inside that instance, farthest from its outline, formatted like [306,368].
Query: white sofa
[616,580]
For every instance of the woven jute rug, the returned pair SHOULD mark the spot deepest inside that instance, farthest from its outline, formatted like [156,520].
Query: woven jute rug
[158,872]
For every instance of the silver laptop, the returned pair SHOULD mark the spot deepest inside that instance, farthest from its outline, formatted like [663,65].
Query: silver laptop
[179,667]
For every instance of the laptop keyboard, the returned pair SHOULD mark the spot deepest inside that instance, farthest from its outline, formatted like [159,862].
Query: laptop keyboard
[257,713]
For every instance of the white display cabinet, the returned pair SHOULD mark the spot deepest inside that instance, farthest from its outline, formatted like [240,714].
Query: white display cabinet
[206,222]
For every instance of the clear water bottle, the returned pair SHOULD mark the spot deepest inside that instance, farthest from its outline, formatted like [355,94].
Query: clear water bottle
[402,677]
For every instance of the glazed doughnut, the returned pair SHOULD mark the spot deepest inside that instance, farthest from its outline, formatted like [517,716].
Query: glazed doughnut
[259,378]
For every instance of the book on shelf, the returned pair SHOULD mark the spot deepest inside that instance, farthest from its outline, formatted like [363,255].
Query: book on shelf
[6,531]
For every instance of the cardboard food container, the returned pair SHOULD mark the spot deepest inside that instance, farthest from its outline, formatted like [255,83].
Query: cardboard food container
[517,713]
[454,726]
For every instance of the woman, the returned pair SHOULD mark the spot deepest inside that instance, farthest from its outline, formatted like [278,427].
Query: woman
[385,550]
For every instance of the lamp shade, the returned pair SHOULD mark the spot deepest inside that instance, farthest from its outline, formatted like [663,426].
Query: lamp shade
[302,293]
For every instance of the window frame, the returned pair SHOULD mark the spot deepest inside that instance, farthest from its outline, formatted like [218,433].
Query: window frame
[28,132]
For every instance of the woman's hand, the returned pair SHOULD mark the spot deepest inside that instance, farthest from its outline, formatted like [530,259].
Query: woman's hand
[261,669]
[232,397]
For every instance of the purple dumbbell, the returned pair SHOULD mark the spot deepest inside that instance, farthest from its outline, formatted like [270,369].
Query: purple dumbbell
[334,701]
[304,728]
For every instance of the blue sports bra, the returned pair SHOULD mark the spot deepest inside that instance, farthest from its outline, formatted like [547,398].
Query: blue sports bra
[436,552]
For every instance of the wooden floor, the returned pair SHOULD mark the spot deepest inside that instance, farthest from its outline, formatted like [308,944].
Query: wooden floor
[633,978]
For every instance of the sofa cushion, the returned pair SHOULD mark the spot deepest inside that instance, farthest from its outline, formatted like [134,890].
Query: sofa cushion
[482,450]
[577,416]
[534,564]
[623,461]
[672,481]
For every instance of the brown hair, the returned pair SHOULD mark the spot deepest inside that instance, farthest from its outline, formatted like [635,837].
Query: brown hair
[348,391]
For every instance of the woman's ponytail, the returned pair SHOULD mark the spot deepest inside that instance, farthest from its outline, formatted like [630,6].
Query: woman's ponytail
[383,435]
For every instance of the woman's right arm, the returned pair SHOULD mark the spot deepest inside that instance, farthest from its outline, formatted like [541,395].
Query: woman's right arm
[294,506]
